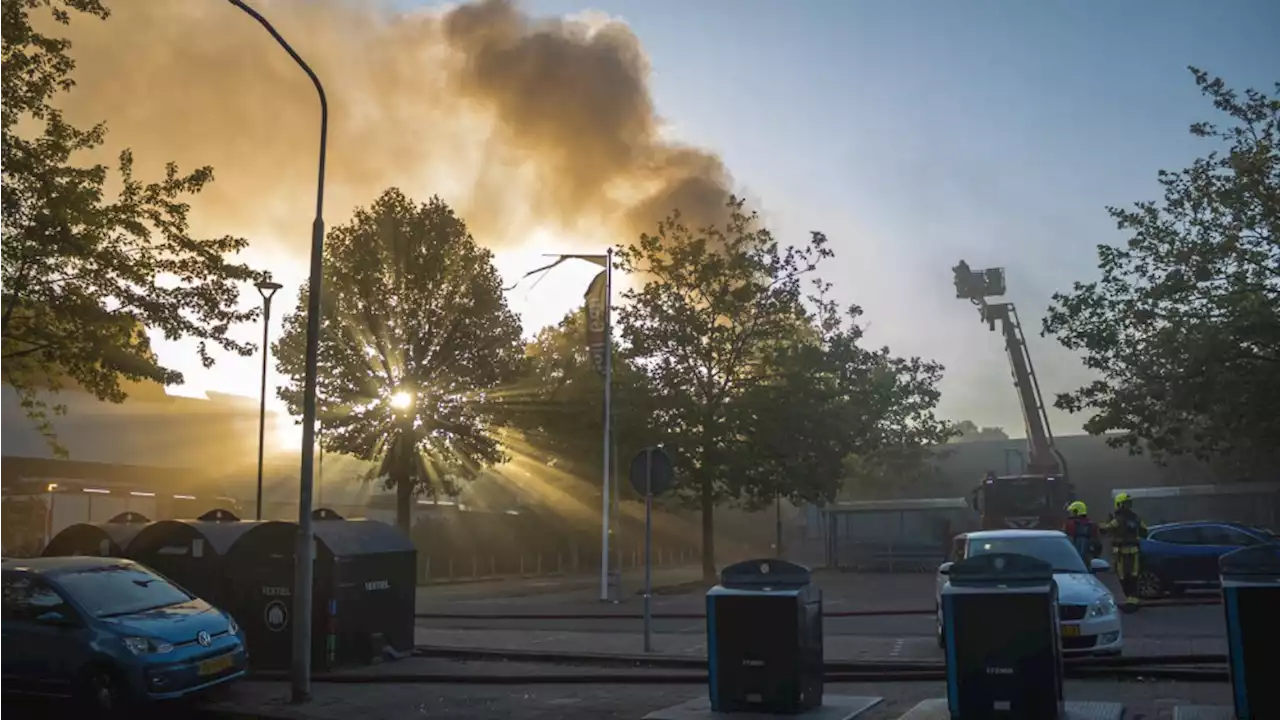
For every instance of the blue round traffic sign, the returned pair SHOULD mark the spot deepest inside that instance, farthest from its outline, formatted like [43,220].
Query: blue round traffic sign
[652,472]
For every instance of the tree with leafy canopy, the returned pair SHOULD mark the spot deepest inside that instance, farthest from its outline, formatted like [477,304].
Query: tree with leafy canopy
[416,345]
[711,304]
[968,431]
[557,406]
[825,402]
[1183,328]
[85,275]
[826,399]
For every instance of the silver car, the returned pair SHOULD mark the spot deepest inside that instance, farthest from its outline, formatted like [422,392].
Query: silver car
[1089,618]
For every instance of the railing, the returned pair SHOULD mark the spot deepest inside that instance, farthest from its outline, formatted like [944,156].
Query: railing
[887,556]
[473,567]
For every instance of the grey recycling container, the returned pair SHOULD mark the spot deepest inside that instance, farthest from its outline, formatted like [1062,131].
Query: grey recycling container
[764,639]
[1000,622]
[1250,598]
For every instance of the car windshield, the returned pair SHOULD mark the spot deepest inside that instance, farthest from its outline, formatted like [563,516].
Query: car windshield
[121,590]
[1057,551]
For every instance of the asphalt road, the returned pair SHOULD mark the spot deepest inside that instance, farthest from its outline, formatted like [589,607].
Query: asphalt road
[1161,622]
[1153,630]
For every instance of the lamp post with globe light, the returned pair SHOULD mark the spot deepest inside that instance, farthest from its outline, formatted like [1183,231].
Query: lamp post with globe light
[266,289]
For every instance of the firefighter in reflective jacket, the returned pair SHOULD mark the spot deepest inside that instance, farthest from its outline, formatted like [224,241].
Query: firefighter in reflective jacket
[1082,531]
[1125,529]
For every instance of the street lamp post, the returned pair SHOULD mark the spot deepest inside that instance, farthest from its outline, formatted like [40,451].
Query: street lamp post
[266,289]
[300,667]
[601,291]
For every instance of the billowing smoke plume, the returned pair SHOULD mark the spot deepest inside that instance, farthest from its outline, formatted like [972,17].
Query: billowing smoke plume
[519,123]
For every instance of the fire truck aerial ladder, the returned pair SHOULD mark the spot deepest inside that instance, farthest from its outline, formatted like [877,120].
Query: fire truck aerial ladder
[1037,497]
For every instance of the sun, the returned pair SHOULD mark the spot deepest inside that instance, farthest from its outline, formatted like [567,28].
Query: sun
[401,400]
[286,434]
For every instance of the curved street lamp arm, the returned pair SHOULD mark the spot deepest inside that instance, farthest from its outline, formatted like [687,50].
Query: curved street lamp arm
[315,80]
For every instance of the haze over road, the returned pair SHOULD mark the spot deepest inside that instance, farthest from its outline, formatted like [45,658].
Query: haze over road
[1155,630]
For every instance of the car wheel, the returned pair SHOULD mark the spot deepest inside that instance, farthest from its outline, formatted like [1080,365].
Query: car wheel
[101,694]
[1149,585]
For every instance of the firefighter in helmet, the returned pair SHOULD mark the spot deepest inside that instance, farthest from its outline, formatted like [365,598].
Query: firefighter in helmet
[1082,531]
[1126,529]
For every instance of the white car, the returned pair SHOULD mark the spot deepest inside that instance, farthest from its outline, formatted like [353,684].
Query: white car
[1088,615]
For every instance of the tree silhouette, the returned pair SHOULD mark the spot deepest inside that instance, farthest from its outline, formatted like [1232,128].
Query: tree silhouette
[416,342]
[1183,328]
[86,275]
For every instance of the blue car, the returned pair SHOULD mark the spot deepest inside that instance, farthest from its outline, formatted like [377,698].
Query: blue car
[112,633]
[1184,555]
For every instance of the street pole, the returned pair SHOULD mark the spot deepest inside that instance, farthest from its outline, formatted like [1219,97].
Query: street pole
[648,550]
[608,422]
[320,464]
[777,518]
[266,289]
[605,496]
[300,667]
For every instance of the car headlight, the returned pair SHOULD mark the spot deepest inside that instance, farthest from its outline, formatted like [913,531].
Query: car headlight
[146,646]
[232,627]
[1104,607]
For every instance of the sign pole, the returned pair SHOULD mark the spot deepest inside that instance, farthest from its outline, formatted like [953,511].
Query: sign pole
[608,417]
[652,472]
[648,549]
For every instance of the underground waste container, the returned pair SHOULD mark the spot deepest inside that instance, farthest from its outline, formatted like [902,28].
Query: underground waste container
[1000,620]
[364,580]
[192,553]
[764,639]
[108,539]
[1251,597]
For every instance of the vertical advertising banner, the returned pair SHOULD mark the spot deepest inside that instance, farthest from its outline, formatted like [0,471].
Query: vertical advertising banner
[596,320]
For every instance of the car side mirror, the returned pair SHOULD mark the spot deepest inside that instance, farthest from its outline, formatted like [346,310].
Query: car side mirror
[1098,565]
[945,568]
[54,618]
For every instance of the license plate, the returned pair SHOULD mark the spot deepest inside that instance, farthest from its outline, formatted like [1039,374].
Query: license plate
[214,665]
[1070,631]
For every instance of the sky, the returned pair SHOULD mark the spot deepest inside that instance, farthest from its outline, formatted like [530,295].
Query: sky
[915,134]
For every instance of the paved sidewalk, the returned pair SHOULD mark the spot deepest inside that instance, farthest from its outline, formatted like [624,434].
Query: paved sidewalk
[524,701]
[693,644]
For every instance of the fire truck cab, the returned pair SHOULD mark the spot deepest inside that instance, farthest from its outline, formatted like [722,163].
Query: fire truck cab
[1022,502]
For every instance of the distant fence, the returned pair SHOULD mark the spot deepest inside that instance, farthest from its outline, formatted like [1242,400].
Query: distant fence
[458,545]
[887,557]
[910,535]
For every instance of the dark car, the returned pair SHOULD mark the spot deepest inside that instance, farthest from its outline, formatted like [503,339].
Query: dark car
[1184,555]
[112,633]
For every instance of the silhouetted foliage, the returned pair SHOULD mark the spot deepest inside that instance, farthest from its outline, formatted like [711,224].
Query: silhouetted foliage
[831,405]
[1183,328]
[558,404]
[967,431]
[411,304]
[755,393]
[85,275]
